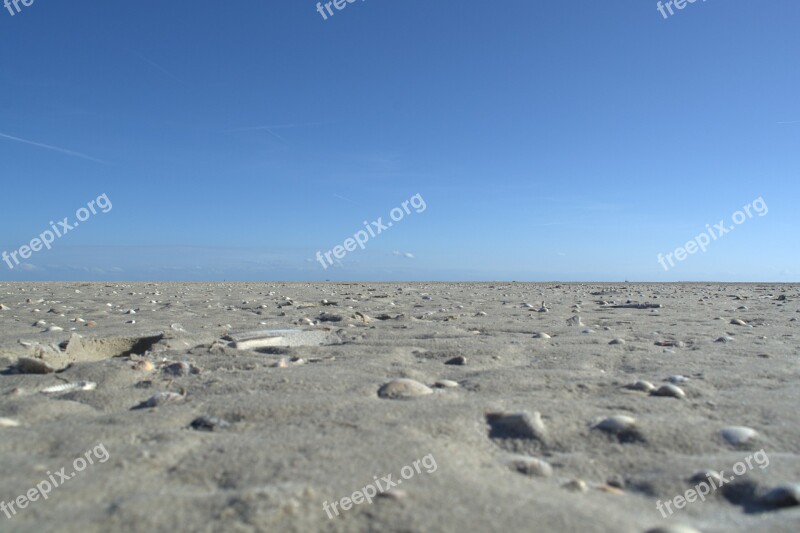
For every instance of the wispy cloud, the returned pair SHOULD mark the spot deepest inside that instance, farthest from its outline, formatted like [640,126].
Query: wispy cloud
[53,148]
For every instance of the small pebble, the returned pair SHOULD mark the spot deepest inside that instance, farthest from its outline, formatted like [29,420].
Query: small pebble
[677,379]
[521,425]
[642,385]
[738,435]
[670,390]
[403,388]
[617,341]
[53,329]
[459,360]
[575,321]
[576,485]
[160,398]
[445,384]
[530,466]
[676,528]
[724,338]
[616,424]
[208,423]
[782,496]
[738,322]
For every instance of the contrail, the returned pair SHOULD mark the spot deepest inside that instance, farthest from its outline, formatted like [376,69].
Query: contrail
[159,67]
[54,148]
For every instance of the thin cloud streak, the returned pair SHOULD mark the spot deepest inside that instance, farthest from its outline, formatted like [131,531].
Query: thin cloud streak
[53,148]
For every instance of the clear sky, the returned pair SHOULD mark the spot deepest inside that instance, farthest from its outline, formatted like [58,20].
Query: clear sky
[550,140]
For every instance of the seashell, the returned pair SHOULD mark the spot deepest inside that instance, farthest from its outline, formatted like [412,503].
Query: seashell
[445,384]
[610,489]
[177,327]
[542,336]
[403,388]
[670,390]
[738,435]
[738,322]
[91,323]
[641,385]
[8,423]
[530,466]
[69,387]
[30,365]
[160,398]
[617,341]
[4,307]
[53,329]
[480,313]
[724,338]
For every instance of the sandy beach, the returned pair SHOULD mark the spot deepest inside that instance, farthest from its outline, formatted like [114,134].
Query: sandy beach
[526,407]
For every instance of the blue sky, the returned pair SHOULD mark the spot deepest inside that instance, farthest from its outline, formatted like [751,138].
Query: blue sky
[558,140]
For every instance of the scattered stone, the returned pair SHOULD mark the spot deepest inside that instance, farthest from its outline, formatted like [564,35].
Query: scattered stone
[458,360]
[617,341]
[403,388]
[575,321]
[622,426]
[706,476]
[181,368]
[781,497]
[676,528]
[637,306]
[576,485]
[641,385]
[208,423]
[670,390]
[738,435]
[521,425]
[530,466]
[160,398]
[677,379]
[671,344]
[144,366]
[611,489]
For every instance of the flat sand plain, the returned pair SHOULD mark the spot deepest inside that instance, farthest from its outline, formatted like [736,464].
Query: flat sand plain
[301,423]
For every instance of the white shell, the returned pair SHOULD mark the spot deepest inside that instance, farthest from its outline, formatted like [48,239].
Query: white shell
[67,387]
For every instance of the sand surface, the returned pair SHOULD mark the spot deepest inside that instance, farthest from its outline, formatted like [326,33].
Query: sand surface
[301,421]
